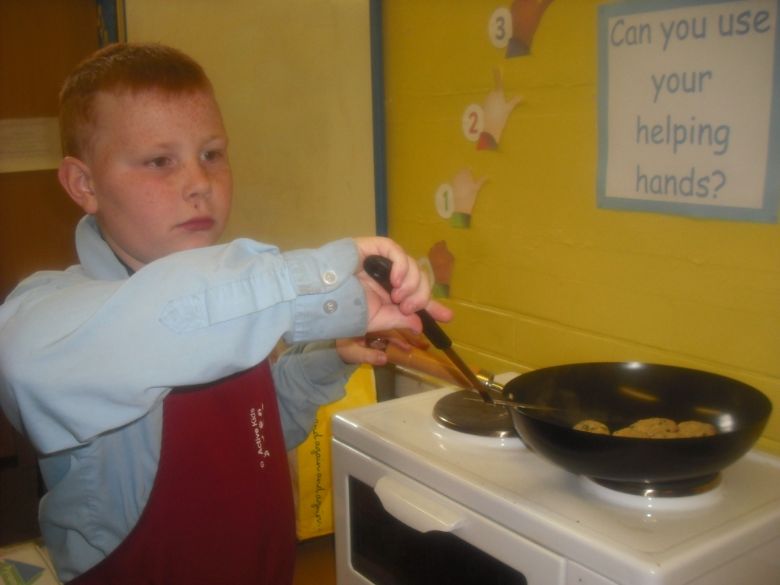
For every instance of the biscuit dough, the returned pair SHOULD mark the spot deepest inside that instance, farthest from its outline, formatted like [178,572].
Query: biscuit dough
[651,428]
[592,426]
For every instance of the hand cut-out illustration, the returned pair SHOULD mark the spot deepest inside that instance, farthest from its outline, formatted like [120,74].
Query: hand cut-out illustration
[465,189]
[442,263]
[526,16]
[496,113]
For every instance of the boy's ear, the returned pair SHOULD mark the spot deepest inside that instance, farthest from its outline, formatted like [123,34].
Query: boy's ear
[76,178]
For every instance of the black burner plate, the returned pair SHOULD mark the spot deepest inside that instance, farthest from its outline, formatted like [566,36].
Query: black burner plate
[466,412]
[667,489]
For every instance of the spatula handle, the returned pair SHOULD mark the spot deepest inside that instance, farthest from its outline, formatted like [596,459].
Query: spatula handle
[378,268]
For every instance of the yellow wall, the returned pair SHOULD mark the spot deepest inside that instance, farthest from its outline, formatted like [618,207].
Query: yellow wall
[293,79]
[543,277]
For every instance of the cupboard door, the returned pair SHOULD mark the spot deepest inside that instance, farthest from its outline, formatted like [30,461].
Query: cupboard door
[40,42]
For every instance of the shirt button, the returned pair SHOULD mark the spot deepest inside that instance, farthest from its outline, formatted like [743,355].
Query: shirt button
[329,277]
[330,307]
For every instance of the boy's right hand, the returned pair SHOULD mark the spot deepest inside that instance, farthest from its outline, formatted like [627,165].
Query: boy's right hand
[411,289]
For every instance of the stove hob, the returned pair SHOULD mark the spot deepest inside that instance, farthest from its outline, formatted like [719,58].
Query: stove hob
[731,531]
[466,412]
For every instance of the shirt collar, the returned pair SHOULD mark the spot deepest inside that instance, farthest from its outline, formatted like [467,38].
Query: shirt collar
[95,255]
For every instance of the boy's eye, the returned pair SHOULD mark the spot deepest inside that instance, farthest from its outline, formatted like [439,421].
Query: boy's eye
[212,155]
[159,162]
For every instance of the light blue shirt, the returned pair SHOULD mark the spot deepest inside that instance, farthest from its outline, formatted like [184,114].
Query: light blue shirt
[88,354]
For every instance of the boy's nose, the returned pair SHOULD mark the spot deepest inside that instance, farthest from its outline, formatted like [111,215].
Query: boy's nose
[198,182]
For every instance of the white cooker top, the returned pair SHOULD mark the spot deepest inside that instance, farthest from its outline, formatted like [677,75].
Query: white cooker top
[565,513]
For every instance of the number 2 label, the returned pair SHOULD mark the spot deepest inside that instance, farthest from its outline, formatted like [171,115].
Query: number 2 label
[473,122]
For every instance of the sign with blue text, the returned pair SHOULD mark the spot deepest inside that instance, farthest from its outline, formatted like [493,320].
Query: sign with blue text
[688,112]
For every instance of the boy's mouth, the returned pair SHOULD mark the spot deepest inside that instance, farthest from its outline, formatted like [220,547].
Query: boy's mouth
[197,224]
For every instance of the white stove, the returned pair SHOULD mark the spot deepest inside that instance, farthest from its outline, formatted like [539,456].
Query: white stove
[408,490]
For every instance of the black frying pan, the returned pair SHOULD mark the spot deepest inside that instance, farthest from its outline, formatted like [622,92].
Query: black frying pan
[619,394]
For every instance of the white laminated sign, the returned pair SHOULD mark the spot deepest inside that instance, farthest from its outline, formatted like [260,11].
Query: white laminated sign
[687,108]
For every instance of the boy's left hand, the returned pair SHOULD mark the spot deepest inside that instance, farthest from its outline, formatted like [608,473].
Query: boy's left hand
[411,290]
[363,350]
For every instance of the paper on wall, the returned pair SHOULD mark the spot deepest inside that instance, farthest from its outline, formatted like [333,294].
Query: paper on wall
[29,144]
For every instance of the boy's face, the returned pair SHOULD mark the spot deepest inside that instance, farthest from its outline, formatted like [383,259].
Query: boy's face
[160,176]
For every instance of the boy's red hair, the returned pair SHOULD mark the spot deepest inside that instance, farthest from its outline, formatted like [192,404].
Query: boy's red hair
[121,67]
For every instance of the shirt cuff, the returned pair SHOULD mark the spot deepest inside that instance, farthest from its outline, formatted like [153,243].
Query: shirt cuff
[331,302]
[324,269]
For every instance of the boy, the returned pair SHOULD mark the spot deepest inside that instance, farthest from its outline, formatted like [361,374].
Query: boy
[140,375]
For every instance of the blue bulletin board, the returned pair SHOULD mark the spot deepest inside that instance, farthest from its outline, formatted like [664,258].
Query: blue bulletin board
[688,108]
[111,21]
[378,116]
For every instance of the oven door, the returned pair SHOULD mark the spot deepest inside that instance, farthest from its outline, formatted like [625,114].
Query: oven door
[393,530]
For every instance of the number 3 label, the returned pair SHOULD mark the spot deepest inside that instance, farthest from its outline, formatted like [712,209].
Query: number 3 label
[473,122]
[500,27]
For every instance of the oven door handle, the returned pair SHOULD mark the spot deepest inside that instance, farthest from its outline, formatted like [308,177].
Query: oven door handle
[418,507]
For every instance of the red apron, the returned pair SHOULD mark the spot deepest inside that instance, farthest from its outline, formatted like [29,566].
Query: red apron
[221,507]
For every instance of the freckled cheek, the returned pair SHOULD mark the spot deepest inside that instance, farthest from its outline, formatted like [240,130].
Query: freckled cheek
[157,191]
[134,188]
[223,184]
[223,177]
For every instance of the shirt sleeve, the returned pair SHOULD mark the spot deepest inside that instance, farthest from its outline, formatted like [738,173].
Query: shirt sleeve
[80,356]
[306,377]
